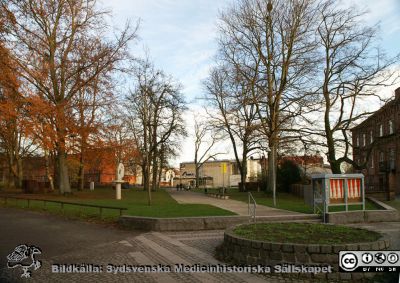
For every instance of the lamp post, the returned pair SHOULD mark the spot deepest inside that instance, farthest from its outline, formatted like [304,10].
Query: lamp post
[272,151]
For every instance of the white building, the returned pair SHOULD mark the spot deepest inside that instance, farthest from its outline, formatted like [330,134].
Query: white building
[218,173]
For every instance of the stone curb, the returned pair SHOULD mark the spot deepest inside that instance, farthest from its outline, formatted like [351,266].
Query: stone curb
[239,250]
[199,223]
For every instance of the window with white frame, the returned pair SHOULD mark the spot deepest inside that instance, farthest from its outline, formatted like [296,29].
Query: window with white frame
[380,130]
[357,141]
[364,139]
[391,130]
[371,136]
[372,161]
[381,157]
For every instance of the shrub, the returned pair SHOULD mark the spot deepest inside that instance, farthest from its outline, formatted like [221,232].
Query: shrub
[288,173]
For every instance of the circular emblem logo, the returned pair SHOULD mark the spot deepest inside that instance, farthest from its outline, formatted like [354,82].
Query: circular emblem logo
[380,258]
[367,258]
[349,261]
[393,258]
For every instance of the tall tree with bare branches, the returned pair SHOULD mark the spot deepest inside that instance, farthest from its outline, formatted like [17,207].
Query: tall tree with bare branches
[352,68]
[271,45]
[60,47]
[155,108]
[205,139]
[236,115]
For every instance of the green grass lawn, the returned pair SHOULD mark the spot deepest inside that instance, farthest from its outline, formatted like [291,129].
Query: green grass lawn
[285,201]
[305,233]
[394,203]
[163,205]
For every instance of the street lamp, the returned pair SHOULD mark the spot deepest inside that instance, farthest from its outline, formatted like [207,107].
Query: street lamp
[272,149]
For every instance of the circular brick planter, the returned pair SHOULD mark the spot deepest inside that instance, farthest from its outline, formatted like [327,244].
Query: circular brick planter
[239,250]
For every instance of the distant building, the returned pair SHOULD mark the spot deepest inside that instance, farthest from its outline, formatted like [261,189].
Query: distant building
[305,160]
[213,174]
[380,134]
[218,173]
[308,164]
[100,168]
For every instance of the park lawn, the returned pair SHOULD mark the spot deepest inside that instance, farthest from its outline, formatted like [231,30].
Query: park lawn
[283,200]
[163,205]
[394,203]
[286,201]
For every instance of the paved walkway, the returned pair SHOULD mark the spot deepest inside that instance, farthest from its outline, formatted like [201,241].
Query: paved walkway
[72,242]
[238,207]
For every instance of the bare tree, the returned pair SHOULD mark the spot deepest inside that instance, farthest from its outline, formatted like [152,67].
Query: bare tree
[271,45]
[237,115]
[352,69]
[204,141]
[155,107]
[60,47]
[89,107]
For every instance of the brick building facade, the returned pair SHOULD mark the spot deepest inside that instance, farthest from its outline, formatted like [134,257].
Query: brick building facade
[377,142]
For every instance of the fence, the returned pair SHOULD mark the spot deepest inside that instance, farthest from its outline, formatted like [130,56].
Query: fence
[62,203]
[252,206]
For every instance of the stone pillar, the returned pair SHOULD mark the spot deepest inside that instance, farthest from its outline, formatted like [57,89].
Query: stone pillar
[118,191]
[92,186]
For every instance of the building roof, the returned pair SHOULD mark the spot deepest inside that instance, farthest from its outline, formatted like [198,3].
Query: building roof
[388,105]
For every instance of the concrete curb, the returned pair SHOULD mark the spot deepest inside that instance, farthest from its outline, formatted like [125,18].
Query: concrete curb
[388,214]
[201,223]
[242,251]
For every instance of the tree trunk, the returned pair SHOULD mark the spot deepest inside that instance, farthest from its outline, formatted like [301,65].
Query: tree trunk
[20,173]
[197,172]
[154,173]
[81,174]
[11,179]
[272,171]
[146,180]
[243,173]
[49,177]
[15,174]
[81,177]
[63,176]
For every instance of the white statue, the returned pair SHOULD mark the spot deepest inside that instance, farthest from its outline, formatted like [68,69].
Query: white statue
[120,176]
[120,172]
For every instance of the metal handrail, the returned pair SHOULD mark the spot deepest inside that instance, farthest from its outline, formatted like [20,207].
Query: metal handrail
[252,208]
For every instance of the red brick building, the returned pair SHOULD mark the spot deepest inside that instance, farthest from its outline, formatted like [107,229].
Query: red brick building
[380,135]
[100,168]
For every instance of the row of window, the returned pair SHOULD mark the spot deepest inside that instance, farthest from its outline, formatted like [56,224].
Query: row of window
[371,134]
[392,158]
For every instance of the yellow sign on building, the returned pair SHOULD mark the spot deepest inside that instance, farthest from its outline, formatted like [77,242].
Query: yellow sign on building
[223,167]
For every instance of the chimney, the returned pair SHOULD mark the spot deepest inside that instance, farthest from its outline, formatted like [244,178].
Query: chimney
[397,93]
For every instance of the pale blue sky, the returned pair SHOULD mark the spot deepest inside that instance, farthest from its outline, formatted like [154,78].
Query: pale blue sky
[180,36]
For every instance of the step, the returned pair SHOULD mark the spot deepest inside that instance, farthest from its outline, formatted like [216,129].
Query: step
[290,218]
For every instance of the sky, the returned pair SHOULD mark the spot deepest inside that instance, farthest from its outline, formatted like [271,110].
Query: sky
[180,36]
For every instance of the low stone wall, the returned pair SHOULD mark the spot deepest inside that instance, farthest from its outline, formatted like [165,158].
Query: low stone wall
[180,224]
[362,216]
[387,214]
[199,223]
[237,250]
